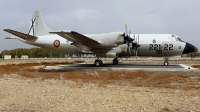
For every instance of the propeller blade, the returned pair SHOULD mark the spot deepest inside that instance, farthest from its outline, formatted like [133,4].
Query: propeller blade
[129,33]
[125,25]
[127,39]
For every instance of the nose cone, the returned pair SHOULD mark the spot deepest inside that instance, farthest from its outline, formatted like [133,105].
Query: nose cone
[188,48]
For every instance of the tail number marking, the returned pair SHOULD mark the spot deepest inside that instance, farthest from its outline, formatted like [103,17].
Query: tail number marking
[168,47]
[154,47]
[158,47]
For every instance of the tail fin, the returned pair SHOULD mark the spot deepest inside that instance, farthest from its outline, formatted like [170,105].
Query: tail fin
[38,27]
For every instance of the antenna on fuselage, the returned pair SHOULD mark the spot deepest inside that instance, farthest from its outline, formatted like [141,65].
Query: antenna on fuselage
[32,26]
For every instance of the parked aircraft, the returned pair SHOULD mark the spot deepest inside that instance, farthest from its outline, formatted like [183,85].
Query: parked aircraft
[110,45]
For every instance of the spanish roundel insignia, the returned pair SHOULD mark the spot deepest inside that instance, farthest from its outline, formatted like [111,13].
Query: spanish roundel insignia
[56,43]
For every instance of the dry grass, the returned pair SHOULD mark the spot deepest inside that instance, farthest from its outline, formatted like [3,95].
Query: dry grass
[137,78]
[196,66]
[97,89]
[50,76]
[27,74]
[8,69]
[14,68]
[102,78]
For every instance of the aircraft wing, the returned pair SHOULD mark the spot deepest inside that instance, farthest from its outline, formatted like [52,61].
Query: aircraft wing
[77,38]
[81,41]
[19,34]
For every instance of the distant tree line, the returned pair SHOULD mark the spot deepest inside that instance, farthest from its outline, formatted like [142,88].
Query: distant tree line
[42,53]
[32,53]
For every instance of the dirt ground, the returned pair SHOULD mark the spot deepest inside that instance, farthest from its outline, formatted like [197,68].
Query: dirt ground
[25,89]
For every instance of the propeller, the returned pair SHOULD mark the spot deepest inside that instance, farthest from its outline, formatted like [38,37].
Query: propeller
[135,46]
[127,38]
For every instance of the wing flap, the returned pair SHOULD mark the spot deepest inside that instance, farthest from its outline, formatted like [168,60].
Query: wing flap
[83,48]
[20,35]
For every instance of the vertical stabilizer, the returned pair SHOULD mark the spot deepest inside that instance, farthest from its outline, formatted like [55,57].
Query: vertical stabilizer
[38,27]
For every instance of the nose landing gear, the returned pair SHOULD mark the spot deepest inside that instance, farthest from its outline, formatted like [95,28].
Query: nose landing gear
[99,63]
[166,63]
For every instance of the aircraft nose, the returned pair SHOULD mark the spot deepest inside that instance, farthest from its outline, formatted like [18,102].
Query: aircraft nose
[188,48]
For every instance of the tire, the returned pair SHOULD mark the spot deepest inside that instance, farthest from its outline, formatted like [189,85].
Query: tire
[98,63]
[166,63]
[115,62]
[101,63]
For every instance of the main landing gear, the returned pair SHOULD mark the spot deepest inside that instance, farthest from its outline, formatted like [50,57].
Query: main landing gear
[99,63]
[115,61]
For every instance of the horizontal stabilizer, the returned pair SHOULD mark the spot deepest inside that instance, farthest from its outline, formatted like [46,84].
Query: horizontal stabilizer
[19,34]
[11,37]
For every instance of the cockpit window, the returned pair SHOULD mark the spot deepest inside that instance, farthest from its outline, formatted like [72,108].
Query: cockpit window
[175,38]
[180,40]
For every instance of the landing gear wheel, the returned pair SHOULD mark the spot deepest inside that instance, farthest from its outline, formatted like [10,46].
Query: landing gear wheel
[98,63]
[101,63]
[115,61]
[166,63]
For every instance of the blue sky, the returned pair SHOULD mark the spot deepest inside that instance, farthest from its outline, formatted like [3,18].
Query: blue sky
[179,17]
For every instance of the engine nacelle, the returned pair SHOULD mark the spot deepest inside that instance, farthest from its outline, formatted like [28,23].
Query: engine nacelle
[113,52]
[115,38]
[112,39]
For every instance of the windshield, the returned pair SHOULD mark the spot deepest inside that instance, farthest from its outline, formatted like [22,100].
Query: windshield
[180,40]
[175,38]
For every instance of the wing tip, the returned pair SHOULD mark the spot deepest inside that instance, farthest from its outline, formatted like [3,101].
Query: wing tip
[6,30]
